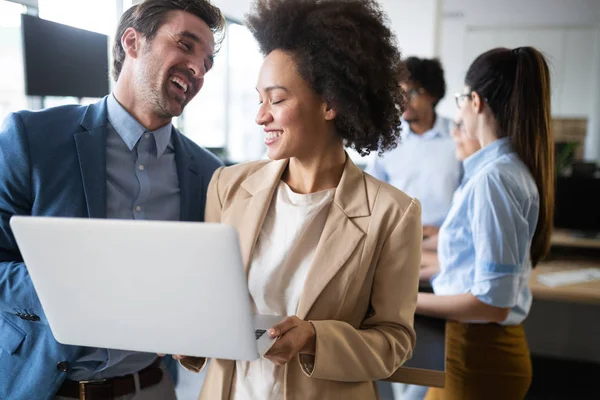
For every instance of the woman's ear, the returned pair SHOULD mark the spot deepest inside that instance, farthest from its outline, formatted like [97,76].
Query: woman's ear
[131,42]
[477,102]
[329,113]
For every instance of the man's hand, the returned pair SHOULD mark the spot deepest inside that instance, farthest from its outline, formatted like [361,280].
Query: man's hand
[295,336]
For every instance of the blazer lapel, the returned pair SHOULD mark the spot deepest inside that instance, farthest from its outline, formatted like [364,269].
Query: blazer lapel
[251,212]
[340,237]
[91,151]
[192,188]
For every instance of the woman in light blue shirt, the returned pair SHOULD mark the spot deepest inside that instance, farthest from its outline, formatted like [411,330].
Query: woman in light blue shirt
[498,227]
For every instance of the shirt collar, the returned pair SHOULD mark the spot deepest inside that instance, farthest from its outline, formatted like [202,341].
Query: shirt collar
[484,156]
[435,132]
[131,130]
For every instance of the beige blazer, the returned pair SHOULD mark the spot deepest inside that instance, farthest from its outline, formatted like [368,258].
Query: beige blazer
[360,292]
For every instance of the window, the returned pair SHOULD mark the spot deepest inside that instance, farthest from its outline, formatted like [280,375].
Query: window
[93,15]
[205,117]
[222,114]
[12,86]
[246,138]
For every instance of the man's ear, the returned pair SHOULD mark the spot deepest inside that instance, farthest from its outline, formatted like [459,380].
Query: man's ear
[477,102]
[131,42]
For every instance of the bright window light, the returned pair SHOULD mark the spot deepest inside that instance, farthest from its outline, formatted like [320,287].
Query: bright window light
[10,14]
[93,15]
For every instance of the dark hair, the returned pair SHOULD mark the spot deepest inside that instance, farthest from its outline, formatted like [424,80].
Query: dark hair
[428,74]
[149,15]
[347,54]
[516,86]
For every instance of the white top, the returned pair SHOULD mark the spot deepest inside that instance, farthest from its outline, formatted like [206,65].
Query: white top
[280,263]
[423,166]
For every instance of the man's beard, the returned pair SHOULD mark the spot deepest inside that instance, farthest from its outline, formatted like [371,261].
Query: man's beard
[158,96]
[161,101]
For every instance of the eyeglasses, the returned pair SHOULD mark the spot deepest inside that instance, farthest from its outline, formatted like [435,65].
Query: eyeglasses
[461,98]
[413,93]
[458,126]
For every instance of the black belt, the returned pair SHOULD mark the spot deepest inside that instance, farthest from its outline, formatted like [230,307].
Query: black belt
[108,389]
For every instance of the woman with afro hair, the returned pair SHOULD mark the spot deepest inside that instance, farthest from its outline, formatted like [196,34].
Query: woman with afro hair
[332,250]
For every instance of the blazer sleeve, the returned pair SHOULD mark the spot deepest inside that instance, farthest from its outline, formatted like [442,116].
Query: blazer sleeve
[212,214]
[386,337]
[17,294]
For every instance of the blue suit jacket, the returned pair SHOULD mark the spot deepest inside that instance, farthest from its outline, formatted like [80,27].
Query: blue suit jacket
[53,163]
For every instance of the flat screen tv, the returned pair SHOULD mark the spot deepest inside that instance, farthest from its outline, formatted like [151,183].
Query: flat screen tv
[63,61]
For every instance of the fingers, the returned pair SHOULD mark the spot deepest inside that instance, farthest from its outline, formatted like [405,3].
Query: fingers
[284,326]
[175,356]
[287,347]
[278,361]
[280,354]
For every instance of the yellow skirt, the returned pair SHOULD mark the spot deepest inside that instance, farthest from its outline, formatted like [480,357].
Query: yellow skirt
[485,362]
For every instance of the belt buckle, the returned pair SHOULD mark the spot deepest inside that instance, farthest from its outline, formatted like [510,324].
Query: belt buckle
[83,384]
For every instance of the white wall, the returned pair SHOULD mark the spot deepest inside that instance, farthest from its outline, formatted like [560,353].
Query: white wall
[567,31]
[524,12]
[30,3]
[415,23]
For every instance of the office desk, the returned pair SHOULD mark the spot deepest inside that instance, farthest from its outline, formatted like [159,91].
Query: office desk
[569,252]
[564,238]
[585,293]
[563,322]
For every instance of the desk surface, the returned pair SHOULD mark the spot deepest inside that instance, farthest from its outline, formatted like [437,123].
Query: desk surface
[569,253]
[428,363]
[568,239]
[588,292]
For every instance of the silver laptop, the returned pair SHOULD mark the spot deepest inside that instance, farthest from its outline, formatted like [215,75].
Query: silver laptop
[150,286]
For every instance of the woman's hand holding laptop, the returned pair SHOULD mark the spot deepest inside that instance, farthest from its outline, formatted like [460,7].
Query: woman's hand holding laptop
[294,336]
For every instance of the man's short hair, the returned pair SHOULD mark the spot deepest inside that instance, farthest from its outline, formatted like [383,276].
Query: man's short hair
[428,74]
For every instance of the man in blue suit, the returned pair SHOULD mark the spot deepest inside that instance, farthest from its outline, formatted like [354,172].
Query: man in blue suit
[118,158]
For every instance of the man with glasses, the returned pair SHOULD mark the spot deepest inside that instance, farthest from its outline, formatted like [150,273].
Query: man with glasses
[424,163]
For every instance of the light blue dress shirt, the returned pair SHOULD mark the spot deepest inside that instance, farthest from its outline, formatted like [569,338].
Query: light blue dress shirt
[141,183]
[423,166]
[484,244]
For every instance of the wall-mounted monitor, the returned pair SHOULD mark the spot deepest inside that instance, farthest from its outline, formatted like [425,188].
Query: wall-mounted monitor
[61,60]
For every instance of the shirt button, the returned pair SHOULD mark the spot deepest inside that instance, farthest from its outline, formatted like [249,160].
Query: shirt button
[141,167]
[146,136]
[62,366]
[138,208]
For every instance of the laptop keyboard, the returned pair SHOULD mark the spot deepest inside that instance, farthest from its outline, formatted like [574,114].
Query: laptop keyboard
[259,333]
